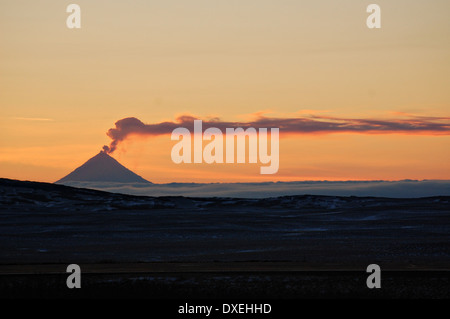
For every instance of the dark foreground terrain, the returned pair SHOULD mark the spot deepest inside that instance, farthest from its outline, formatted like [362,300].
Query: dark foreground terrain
[175,247]
[230,281]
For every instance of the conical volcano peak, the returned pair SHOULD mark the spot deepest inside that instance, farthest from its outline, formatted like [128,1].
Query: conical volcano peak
[102,155]
[102,168]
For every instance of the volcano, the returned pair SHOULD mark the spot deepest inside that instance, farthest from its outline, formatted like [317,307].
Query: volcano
[102,168]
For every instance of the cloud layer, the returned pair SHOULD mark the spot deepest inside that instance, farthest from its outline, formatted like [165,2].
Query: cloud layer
[396,189]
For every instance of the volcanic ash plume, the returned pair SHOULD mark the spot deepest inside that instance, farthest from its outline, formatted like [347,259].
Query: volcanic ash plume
[123,128]
[297,125]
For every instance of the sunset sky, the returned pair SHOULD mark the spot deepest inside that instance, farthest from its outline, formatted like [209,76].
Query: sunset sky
[62,89]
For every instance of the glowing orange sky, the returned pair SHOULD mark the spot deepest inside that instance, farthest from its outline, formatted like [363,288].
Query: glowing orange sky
[62,89]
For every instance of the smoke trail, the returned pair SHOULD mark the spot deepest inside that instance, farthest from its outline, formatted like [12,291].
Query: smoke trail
[300,125]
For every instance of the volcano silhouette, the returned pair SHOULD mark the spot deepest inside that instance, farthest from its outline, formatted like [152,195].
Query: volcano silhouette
[102,168]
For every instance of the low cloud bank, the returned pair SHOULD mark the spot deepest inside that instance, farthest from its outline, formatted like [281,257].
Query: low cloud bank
[397,189]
